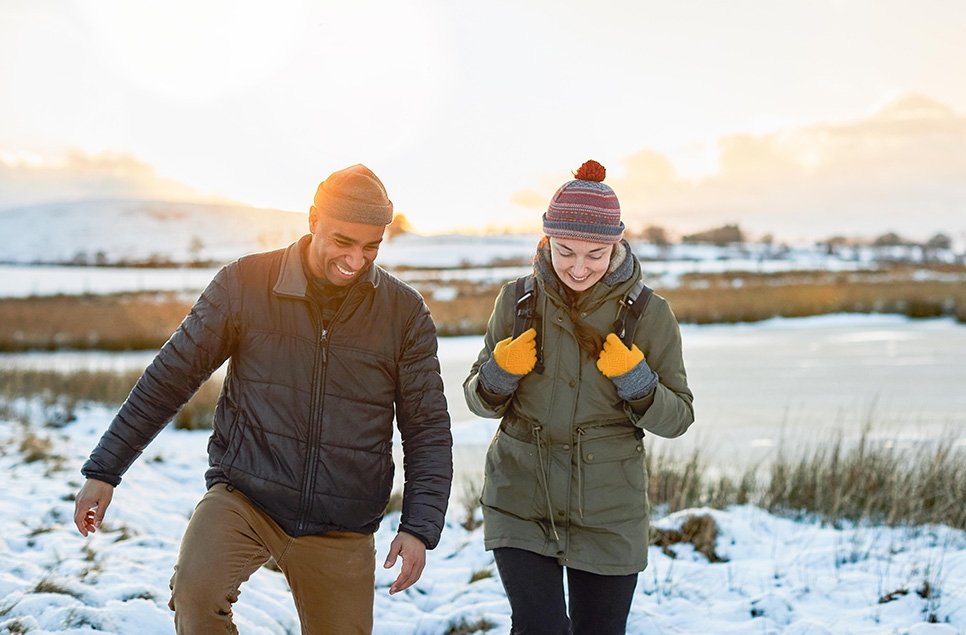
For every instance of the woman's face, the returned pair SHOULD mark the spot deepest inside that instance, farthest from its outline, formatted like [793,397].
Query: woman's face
[578,263]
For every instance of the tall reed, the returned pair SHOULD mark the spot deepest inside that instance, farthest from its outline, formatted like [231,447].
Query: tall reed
[876,481]
[68,389]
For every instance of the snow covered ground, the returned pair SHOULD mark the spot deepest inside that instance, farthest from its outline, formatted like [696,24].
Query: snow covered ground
[781,576]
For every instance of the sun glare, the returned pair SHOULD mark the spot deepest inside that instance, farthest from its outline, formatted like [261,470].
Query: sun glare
[320,84]
[193,50]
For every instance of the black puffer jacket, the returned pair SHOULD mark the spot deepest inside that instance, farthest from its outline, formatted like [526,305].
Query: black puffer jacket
[303,425]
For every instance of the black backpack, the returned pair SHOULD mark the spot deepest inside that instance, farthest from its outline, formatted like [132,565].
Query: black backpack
[632,307]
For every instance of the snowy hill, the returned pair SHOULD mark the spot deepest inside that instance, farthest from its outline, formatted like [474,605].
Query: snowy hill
[136,232]
[116,231]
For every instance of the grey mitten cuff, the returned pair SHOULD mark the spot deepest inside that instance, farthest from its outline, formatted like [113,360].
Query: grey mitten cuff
[636,383]
[496,380]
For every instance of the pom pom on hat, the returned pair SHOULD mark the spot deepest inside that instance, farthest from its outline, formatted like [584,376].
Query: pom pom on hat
[355,195]
[591,171]
[585,208]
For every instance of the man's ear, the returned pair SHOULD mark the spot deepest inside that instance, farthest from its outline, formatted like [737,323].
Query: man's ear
[313,218]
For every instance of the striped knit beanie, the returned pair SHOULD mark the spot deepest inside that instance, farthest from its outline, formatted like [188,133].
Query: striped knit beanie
[355,195]
[585,208]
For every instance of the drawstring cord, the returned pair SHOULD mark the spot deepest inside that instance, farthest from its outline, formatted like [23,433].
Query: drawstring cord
[580,473]
[546,486]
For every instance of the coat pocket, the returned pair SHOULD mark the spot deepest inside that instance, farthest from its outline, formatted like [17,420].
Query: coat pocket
[614,479]
[511,478]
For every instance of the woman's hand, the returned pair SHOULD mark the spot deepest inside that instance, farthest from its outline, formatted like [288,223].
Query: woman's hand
[616,359]
[627,368]
[517,356]
[512,359]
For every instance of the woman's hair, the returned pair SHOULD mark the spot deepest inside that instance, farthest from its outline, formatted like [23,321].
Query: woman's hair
[588,339]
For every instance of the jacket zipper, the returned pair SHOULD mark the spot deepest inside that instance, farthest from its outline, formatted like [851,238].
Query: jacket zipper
[315,425]
[315,429]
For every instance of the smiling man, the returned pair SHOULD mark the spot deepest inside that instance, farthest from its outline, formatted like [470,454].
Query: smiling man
[325,351]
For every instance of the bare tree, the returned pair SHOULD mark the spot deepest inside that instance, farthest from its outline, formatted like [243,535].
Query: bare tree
[399,225]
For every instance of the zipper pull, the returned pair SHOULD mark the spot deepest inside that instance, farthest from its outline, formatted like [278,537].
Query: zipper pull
[324,340]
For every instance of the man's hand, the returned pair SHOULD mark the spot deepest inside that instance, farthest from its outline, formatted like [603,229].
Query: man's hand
[413,553]
[90,504]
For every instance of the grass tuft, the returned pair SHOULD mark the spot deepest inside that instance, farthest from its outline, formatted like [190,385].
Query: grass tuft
[699,531]
[482,574]
[46,585]
[16,627]
[481,625]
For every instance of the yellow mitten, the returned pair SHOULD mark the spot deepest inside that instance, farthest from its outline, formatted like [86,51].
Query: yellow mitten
[517,356]
[616,359]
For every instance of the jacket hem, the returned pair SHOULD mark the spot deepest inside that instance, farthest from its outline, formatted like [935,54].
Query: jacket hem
[571,563]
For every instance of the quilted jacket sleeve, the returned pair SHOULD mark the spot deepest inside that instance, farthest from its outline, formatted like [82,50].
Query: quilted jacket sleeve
[200,345]
[424,425]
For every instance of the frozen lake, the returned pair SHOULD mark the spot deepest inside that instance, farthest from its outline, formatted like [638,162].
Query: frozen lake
[800,380]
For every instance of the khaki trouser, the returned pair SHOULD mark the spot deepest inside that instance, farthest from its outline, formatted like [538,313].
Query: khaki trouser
[332,576]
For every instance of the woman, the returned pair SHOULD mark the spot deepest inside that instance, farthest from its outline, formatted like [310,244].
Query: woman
[565,482]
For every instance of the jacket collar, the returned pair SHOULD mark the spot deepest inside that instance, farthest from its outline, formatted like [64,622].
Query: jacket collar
[291,280]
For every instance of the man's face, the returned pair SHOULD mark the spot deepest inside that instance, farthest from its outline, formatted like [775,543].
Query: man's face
[340,251]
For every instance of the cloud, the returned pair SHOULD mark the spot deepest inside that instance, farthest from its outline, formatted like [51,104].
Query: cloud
[82,176]
[901,169]
[529,198]
[912,140]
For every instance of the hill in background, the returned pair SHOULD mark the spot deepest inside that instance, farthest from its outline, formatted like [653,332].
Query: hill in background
[142,232]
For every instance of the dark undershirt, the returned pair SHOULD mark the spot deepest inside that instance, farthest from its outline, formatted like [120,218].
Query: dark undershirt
[327,296]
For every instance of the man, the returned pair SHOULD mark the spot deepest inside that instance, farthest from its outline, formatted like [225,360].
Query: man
[325,350]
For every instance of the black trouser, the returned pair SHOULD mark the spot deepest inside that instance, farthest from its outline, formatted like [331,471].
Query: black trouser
[599,604]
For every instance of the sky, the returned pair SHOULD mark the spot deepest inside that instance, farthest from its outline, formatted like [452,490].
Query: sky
[804,118]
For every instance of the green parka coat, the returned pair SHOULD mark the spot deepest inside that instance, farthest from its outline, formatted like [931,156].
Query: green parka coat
[565,475]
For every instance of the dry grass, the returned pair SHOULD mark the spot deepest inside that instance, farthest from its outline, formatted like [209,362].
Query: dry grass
[482,574]
[395,503]
[699,531]
[199,412]
[145,321]
[66,390]
[748,297]
[468,313]
[876,482]
[481,625]
[101,387]
[34,448]
[864,481]
[46,585]
[103,322]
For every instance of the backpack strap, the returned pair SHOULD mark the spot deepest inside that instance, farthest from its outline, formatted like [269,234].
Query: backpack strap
[631,308]
[524,311]
[523,307]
